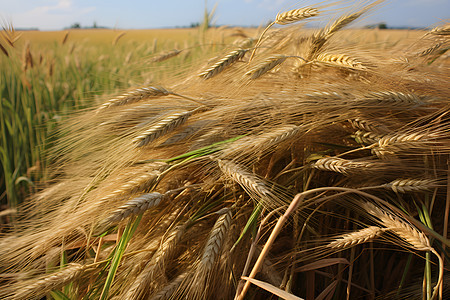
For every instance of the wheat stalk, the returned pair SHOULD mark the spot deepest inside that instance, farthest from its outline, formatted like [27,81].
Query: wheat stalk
[266,65]
[355,238]
[47,283]
[410,185]
[226,61]
[412,236]
[167,124]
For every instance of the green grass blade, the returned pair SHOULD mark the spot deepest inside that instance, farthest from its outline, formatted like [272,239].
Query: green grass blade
[115,262]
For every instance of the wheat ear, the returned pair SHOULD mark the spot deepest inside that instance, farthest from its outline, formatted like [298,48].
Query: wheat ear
[340,60]
[215,240]
[410,185]
[226,61]
[50,282]
[440,30]
[245,179]
[356,238]
[287,17]
[166,56]
[394,98]
[390,144]
[156,265]
[412,236]
[144,178]
[266,65]
[164,126]
[343,166]
[135,95]
[135,206]
[366,138]
[168,291]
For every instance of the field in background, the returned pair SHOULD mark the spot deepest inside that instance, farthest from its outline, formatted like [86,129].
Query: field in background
[47,75]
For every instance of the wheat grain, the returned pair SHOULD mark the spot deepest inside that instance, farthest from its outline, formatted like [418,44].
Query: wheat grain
[215,240]
[392,144]
[340,60]
[355,238]
[226,61]
[155,267]
[368,126]
[246,180]
[344,166]
[295,15]
[410,185]
[394,98]
[265,65]
[162,127]
[166,292]
[135,206]
[366,138]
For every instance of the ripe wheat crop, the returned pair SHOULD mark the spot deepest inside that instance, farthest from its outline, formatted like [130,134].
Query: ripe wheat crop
[314,167]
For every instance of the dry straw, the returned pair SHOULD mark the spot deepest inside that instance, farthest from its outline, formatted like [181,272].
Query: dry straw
[40,287]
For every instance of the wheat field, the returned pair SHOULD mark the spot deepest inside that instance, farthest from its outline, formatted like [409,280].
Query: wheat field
[294,163]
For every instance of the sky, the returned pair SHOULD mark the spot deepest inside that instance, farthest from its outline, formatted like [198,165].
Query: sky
[142,14]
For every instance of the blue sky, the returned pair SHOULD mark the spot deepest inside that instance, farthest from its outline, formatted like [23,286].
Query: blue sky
[129,14]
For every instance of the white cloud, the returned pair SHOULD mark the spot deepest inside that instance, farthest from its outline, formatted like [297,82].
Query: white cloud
[57,15]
